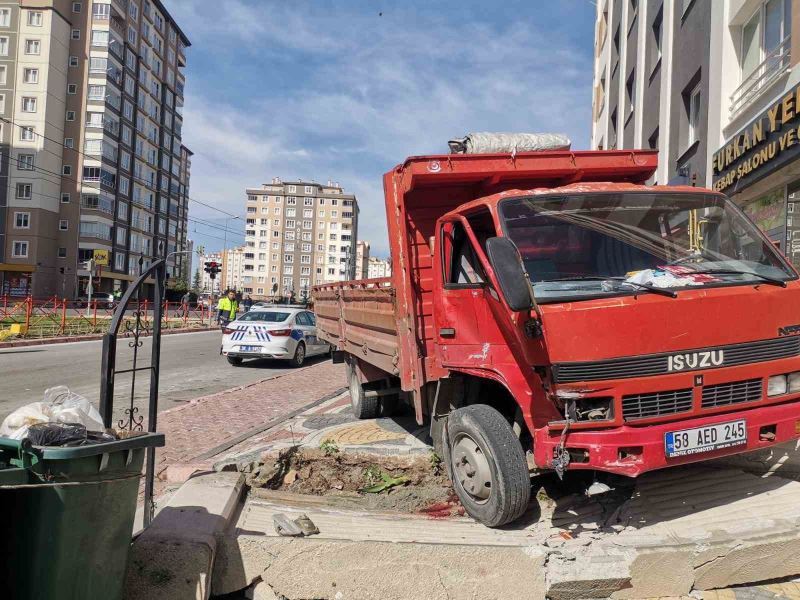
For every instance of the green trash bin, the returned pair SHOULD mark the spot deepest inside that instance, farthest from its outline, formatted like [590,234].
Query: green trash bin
[68,517]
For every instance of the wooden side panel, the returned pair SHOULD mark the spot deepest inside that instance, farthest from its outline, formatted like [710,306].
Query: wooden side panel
[358,317]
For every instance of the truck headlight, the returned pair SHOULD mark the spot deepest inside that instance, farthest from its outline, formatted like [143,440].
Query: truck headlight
[793,382]
[776,385]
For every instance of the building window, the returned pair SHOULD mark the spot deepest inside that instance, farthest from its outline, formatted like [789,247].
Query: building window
[76,7]
[69,143]
[62,252]
[20,249]
[65,198]
[70,115]
[72,88]
[73,61]
[3,46]
[66,170]
[630,89]
[24,191]
[28,104]
[76,34]
[63,225]
[35,18]
[28,75]
[5,17]
[656,30]
[693,115]
[33,47]
[3,73]
[27,134]
[22,220]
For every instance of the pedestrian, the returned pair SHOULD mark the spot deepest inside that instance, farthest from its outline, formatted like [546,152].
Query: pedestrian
[185,304]
[248,303]
[227,307]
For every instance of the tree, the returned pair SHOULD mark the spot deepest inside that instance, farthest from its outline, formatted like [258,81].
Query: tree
[180,285]
[197,284]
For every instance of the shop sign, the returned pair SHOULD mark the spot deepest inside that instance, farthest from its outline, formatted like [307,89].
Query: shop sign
[766,144]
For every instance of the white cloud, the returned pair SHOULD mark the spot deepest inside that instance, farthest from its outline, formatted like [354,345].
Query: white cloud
[345,96]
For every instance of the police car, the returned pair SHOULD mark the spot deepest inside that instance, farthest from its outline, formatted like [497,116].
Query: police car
[281,332]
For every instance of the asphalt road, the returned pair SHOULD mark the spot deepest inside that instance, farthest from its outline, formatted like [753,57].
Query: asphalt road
[190,367]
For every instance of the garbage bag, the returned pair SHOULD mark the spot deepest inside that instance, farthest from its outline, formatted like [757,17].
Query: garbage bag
[69,407]
[24,417]
[60,405]
[490,143]
[57,434]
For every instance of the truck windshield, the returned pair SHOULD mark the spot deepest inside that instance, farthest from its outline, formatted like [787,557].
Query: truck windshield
[597,245]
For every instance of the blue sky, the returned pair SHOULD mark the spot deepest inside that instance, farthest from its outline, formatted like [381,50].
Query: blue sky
[346,90]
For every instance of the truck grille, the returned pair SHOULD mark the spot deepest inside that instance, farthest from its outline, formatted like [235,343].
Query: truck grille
[732,393]
[656,404]
[658,364]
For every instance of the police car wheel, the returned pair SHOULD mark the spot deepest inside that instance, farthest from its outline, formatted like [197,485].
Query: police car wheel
[299,355]
[235,360]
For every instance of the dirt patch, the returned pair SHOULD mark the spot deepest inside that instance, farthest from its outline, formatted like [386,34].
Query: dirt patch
[410,484]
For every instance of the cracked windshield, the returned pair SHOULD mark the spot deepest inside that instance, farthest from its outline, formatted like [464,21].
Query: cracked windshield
[597,245]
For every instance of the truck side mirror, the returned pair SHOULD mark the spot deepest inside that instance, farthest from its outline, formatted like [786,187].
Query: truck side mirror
[507,264]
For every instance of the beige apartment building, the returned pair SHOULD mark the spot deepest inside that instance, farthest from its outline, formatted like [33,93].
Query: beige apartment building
[91,101]
[298,234]
[377,268]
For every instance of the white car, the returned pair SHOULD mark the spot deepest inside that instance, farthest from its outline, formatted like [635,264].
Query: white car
[273,332]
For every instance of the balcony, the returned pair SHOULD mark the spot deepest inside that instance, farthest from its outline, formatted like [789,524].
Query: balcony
[771,68]
[120,7]
[98,203]
[99,231]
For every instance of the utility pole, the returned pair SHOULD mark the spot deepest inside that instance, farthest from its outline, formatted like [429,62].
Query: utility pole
[89,287]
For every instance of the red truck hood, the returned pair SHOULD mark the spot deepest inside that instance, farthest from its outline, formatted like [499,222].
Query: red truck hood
[650,324]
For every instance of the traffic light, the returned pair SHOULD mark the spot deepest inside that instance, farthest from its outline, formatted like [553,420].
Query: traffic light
[212,268]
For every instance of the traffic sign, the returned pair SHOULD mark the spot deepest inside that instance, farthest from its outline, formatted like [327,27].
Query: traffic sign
[100,258]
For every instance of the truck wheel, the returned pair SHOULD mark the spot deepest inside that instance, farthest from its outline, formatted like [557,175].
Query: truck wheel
[487,465]
[235,360]
[363,408]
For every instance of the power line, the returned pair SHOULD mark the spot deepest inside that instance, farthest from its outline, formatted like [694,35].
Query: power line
[134,177]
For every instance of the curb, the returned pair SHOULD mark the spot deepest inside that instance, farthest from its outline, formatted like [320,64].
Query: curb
[87,338]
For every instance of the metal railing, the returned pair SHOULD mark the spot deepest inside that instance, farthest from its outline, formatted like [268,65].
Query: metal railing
[773,66]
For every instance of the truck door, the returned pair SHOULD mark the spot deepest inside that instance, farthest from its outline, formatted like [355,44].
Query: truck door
[465,331]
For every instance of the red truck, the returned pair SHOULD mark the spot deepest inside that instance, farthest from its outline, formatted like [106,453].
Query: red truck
[550,311]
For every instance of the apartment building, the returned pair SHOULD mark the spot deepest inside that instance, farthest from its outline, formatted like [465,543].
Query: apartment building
[712,85]
[232,275]
[377,267]
[298,234]
[362,259]
[208,285]
[91,101]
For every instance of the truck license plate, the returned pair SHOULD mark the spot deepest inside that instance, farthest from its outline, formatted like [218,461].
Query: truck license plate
[705,439]
[249,348]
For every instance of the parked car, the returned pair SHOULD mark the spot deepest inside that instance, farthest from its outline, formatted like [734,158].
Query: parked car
[103,300]
[284,333]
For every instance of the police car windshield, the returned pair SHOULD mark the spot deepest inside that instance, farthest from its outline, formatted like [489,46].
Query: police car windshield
[264,316]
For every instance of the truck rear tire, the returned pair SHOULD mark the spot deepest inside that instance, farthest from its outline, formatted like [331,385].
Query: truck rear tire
[487,465]
[363,407]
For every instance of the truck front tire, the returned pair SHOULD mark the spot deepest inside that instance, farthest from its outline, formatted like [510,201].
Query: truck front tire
[363,407]
[487,465]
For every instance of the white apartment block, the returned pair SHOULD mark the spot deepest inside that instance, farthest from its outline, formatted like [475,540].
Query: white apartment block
[232,275]
[713,86]
[377,268]
[362,259]
[298,234]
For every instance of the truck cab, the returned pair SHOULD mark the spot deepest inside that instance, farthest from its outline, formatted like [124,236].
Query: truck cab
[553,312]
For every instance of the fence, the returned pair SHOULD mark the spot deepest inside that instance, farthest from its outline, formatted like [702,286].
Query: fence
[59,316]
